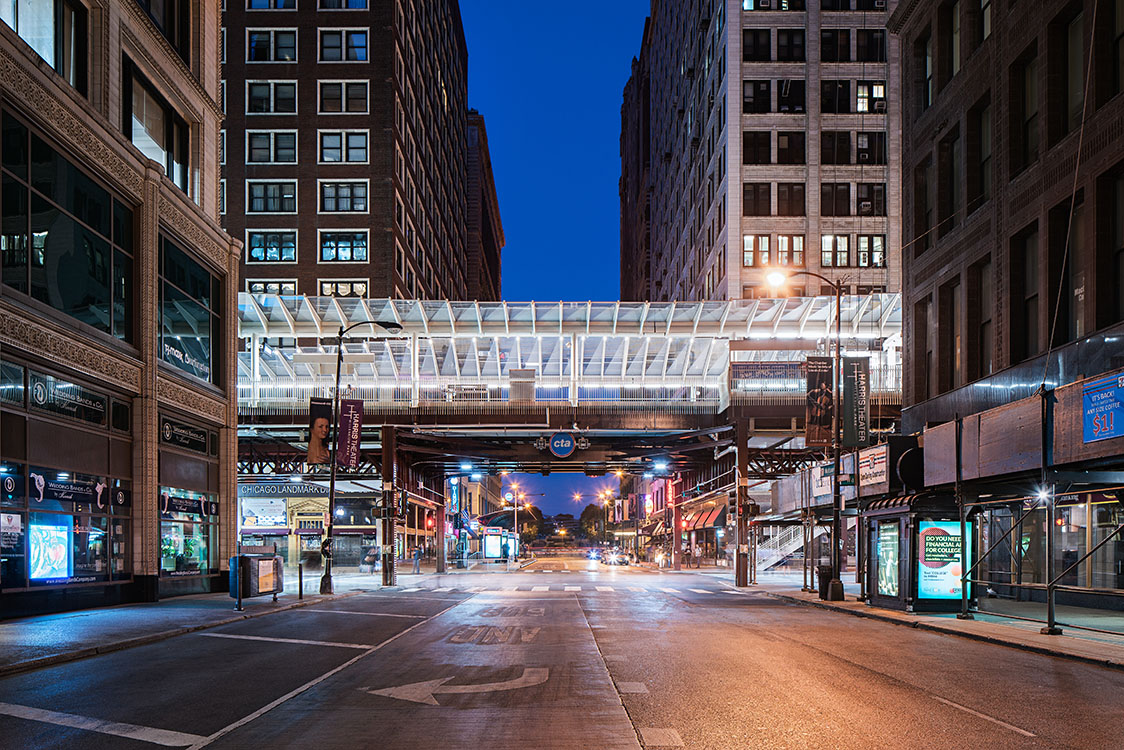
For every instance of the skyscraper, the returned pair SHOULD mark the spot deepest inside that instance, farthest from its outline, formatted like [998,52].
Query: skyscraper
[757,134]
[345,146]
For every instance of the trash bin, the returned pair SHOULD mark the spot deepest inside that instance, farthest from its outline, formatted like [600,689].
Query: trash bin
[824,573]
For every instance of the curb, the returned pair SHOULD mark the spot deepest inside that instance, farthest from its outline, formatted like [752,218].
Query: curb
[935,628]
[47,661]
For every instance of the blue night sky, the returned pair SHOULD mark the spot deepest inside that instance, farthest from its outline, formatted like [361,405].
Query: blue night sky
[548,80]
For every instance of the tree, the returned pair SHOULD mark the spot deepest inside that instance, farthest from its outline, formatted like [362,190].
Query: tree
[591,519]
[530,524]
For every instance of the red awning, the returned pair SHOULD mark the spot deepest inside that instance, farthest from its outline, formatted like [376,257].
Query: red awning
[709,518]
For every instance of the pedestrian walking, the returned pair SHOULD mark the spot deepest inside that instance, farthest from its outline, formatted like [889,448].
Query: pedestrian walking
[698,555]
[369,561]
[506,551]
[417,554]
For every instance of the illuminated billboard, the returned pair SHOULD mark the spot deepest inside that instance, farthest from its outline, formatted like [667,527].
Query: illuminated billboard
[939,564]
[50,551]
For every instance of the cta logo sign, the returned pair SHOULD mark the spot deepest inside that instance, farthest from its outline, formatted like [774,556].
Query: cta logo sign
[562,444]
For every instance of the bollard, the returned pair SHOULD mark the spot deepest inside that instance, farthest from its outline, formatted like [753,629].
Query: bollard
[300,580]
[238,581]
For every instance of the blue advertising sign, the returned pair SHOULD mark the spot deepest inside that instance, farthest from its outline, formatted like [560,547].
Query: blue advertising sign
[1102,402]
[939,564]
[562,444]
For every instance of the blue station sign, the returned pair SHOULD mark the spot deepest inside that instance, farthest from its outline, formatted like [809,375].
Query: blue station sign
[563,444]
[1102,402]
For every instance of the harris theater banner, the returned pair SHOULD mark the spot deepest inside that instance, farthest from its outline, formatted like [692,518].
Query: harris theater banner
[856,402]
[819,402]
[350,433]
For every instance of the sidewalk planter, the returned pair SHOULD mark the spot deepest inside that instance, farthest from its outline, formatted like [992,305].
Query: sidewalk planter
[914,561]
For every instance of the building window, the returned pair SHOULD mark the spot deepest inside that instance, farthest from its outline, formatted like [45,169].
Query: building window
[755,97]
[65,241]
[984,19]
[1024,112]
[1118,47]
[287,287]
[835,147]
[343,4]
[343,146]
[790,199]
[871,148]
[790,45]
[757,147]
[835,97]
[870,45]
[271,197]
[155,128]
[172,19]
[271,97]
[835,199]
[922,205]
[343,247]
[271,246]
[870,96]
[790,250]
[756,199]
[344,287]
[1024,295]
[271,45]
[979,156]
[343,197]
[950,173]
[1074,72]
[755,250]
[790,148]
[871,199]
[343,97]
[190,310]
[835,45]
[924,55]
[56,31]
[755,45]
[950,22]
[834,251]
[983,299]
[222,197]
[343,45]
[871,250]
[271,4]
[790,95]
[271,147]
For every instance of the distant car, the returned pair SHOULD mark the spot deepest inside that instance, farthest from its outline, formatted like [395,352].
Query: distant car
[594,554]
[615,557]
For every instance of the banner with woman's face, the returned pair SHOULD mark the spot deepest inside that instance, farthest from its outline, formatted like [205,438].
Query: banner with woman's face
[319,430]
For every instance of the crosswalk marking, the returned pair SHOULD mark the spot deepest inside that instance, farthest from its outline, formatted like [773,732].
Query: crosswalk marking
[411,590]
[670,591]
[700,591]
[442,589]
[573,588]
[637,589]
[604,588]
[540,588]
[475,589]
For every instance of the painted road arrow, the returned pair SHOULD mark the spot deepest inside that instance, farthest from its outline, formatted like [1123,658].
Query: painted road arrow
[424,692]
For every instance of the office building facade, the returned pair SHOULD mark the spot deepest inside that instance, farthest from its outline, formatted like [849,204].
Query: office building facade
[757,134]
[485,229]
[117,307]
[345,146]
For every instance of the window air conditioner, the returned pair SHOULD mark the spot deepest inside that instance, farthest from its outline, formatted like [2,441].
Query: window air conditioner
[764,4]
[880,4]
[880,106]
[865,207]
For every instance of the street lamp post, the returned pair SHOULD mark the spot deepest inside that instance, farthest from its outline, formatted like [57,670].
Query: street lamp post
[389,327]
[777,279]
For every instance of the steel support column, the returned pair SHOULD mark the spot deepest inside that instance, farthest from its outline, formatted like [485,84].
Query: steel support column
[389,500]
[439,537]
[741,554]
[676,532]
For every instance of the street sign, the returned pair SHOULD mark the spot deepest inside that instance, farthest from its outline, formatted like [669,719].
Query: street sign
[508,496]
[562,444]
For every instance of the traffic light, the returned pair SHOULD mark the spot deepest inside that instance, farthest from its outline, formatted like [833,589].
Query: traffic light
[430,522]
[403,503]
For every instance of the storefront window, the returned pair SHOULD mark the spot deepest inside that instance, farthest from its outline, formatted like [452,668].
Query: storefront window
[1031,559]
[188,532]
[1070,528]
[66,548]
[12,485]
[889,544]
[1108,561]
[11,384]
[190,301]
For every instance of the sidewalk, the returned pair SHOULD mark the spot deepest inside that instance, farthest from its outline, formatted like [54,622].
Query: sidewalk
[1105,649]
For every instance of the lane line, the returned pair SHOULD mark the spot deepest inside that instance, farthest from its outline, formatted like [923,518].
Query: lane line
[992,719]
[670,591]
[311,683]
[604,588]
[573,588]
[283,640]
[164,737]
[355,612]
[540,588]
[701,591]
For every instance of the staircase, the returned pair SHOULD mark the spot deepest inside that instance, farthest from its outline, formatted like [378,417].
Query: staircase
[779,546]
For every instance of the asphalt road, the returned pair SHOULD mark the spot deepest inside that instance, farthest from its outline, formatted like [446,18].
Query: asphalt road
[568,654]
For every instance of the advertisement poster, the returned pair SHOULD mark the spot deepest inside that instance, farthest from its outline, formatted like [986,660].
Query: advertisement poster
[939,565]
[350,434]
[267,580]
[1102,402]
[319,428]
[874,465]
[50,551]
[819,402]
[856,402]
[889,546]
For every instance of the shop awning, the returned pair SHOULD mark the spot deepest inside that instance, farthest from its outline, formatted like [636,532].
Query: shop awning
[708,518]
[905,503]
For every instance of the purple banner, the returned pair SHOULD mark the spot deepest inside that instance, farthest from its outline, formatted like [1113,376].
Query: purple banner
[350,432]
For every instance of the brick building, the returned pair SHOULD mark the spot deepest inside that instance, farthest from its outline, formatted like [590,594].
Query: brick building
[485,230]
[760,133]
[345,146]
